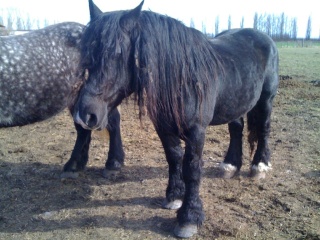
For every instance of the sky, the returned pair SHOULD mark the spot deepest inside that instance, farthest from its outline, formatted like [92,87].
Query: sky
[201,11]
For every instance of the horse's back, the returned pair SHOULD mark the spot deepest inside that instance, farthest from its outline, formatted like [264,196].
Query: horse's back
[37,73]
[250,63]
[246,43]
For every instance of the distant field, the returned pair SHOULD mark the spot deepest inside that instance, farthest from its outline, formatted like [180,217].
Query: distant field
[300,63]
[298,43]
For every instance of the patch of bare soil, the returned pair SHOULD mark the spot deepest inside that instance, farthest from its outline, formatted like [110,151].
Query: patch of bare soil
[35,204]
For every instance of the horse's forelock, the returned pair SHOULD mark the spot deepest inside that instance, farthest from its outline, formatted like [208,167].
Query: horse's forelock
[100,38]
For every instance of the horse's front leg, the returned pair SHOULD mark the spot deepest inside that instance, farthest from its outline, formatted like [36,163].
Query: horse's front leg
[116,154]
[190,215]
[80,153]
[174,154]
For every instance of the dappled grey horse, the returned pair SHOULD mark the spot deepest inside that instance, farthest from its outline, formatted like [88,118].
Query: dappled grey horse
[39,78]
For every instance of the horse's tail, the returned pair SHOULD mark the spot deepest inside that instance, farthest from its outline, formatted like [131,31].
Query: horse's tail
[252,119]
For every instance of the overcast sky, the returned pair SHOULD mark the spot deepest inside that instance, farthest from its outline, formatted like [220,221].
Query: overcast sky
[201,11]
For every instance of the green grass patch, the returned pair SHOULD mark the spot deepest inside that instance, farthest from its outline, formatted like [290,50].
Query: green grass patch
[298,44]
[300,63]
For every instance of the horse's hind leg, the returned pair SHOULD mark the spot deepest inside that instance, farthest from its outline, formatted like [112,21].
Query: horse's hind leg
[233,160]
[116,154]
[259,130]
[174,154]
[79,155]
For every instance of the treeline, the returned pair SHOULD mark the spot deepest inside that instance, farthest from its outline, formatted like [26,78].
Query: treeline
[279,27]
[13,20]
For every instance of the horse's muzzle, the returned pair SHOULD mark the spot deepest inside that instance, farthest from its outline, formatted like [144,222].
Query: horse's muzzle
[89,123]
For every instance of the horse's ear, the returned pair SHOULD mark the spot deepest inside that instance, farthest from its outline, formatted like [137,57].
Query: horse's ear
[135,13]
[94,10]
[130,18]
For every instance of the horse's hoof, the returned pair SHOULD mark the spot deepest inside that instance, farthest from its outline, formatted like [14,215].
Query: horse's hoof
[110,174]
[259,171]
[228,170]
[176,204]
[185,231]
[69,175]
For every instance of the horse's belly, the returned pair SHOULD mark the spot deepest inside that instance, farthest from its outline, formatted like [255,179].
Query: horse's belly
[230,109]
[32,105]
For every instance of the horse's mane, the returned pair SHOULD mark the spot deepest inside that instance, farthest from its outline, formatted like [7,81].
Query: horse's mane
[174,62]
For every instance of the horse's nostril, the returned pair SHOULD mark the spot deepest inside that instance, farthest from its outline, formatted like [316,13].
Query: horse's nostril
[91,120]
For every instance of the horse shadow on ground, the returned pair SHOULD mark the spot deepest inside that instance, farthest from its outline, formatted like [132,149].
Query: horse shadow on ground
[33,197]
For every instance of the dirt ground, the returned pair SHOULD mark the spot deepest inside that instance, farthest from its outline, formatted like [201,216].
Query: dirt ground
[36,204]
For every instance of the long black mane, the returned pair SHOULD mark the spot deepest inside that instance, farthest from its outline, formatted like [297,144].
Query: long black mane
[170,60]
[174,60]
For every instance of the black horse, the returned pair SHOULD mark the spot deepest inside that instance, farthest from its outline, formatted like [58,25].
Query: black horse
[187,82]
[39,78]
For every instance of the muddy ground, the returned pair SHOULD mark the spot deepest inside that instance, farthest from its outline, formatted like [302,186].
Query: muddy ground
[35,204]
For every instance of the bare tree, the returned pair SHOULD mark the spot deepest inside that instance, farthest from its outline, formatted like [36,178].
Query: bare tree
[229,22]
[38,24]
[28,24]
[308,32]
[268,25]
[242,22]
[204,28]
[10,21]
[46,23]
[294,28]
[282,25]
[192,25]
[255,20]
[19,24]
[216,25]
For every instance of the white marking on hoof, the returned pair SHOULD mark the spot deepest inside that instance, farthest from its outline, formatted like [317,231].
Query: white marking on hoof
[259,171]
[69,175]
[228,170]
[176,204]
[185,231]
[109,174]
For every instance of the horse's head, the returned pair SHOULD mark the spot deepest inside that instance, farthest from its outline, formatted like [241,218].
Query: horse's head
[107,53]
